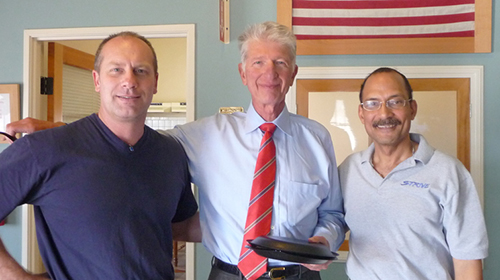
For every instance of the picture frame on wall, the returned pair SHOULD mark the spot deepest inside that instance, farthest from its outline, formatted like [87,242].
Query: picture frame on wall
[447,96]
[9,106]
[388,27]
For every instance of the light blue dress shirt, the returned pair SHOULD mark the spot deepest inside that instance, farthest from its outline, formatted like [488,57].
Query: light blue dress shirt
[222,152]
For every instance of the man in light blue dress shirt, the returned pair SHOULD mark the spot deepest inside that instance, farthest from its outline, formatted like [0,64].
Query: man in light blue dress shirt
[222,152]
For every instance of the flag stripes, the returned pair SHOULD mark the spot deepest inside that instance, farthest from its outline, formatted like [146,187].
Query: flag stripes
[382,19]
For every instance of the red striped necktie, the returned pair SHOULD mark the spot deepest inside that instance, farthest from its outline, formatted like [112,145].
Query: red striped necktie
[260,208]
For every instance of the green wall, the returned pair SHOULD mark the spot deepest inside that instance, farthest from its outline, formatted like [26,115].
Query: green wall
[217,80]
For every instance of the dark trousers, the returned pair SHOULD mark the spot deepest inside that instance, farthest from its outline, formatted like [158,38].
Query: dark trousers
[218,274]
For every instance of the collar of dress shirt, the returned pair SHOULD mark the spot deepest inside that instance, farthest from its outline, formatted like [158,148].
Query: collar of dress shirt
[254,120]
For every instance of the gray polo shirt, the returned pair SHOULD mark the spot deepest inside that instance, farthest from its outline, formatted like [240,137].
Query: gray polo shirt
[411,224]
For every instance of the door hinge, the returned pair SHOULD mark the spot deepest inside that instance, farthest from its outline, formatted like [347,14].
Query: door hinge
[46,85]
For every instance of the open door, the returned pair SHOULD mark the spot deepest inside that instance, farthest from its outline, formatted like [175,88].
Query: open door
[61,60]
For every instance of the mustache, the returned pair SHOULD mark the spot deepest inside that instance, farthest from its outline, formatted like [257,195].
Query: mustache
[388,121]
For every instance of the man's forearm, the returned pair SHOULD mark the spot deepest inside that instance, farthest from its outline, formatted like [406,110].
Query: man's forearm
[188,230]
[9,268]
[468,269]
[30,125]
[332,227]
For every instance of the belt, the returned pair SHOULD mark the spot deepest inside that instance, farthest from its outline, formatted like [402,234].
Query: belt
[280,272]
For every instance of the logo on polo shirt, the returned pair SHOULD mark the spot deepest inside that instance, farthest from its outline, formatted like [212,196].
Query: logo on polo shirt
[415,184]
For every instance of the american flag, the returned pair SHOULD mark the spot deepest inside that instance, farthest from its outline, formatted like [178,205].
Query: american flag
[382,19]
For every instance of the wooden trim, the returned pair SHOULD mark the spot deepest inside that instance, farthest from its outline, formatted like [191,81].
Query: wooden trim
[35,261]
[55,70]
[483,29]
[463,124]
[306,86]
[285,12]
[460,85]
[58,55]
[78,58]
[344,246]
[481,43]
[385,46]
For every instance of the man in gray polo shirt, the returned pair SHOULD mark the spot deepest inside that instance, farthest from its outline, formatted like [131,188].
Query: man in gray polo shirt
[413,211]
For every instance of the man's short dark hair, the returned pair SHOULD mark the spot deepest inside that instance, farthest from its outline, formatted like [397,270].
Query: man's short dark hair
[387,70]
[98,57]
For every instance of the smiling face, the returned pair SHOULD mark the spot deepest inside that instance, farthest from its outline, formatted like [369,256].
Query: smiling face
[126,80]
[268,73]
[389,127]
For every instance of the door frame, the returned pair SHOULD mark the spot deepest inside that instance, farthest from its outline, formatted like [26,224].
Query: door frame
[475,73]
[32,101]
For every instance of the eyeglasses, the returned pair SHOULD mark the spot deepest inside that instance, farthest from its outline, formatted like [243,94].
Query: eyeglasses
[395,103]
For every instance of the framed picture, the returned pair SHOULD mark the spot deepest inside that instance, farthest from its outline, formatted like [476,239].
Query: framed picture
[450,111]
[388,26]
[9,105]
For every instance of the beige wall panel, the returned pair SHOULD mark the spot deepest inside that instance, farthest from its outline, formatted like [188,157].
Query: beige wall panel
[338,112]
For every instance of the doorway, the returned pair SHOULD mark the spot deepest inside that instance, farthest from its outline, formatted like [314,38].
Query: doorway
[34,103]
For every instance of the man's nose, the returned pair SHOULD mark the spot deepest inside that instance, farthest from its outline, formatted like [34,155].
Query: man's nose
[384,110]
[130,80]
[270,69]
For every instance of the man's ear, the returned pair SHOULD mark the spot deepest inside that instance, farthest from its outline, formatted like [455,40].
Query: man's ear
[156,83]
[295,71]
[360,114]
[413,107]
[97,83]
[242,74]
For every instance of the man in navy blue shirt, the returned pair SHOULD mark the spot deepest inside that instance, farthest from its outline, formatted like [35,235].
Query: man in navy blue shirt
[109,193]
